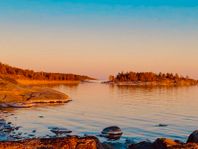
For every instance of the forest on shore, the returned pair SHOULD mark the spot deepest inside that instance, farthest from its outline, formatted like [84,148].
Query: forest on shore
[146,77]
[18,73]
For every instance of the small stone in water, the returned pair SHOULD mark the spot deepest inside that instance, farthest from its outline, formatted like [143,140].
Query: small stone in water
[20,133]
[8,128]
[58,130]
[41,116]
[33,131]
[162,125]
[17,128]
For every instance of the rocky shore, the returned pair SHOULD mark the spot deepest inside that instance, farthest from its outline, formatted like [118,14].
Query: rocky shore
[72,142]
[62,140]
[13,94]
[91,142]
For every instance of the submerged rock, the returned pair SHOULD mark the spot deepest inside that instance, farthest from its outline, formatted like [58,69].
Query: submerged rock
[7,131]
[163,143]
[112,132]
[162,125]
[59,131]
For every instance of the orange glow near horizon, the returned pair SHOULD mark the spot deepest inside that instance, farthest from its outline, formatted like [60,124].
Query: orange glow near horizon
[100,54]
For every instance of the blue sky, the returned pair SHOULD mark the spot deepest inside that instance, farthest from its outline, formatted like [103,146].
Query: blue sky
[114,35]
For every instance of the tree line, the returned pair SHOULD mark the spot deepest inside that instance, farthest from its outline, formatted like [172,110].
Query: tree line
[19,73]
[148,77]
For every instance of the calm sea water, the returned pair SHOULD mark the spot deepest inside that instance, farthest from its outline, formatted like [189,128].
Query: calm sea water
[136,110]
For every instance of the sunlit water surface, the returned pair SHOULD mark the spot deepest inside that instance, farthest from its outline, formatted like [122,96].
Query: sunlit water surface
[136,110]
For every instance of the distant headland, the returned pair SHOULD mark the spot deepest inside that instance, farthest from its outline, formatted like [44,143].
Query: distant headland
[28,77]
[152,79]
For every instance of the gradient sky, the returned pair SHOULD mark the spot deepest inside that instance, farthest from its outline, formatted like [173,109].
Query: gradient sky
[100,37]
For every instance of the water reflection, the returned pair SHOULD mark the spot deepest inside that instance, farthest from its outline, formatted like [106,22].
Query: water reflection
[137,110]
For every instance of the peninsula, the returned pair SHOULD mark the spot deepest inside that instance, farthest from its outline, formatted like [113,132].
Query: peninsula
[30,77]
[20,88]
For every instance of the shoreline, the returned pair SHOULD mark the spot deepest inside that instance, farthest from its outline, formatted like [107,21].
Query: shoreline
[67,141]
[16,95]
[92,142]
[46,82]
[154,83]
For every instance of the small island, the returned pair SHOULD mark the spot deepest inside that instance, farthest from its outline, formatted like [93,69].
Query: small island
[151,79]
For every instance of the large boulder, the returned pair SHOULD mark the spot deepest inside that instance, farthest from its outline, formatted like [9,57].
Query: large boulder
[141,145]
[193,138]
[72,142]
[45,95]
[164,143]
[112,132]
[19,96]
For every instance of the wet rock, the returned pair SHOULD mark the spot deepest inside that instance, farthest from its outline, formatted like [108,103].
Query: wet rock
[193,138]
[2,122]
[7,131]
[7,128]
[33,131]
[114,145]
[185,146]
[112,132]
[18,127]
[164,143]
[31,135]
[59,131]
[141,145]
[107,146]
[179,142]
[55,143]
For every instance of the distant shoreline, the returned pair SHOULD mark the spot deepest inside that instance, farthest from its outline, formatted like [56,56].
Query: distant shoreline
[154,83]
[46,82]
[151,79]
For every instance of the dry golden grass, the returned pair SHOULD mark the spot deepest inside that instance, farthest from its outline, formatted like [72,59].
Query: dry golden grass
[43,82]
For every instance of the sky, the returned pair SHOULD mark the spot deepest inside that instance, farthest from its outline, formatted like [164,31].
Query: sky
[100,37]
